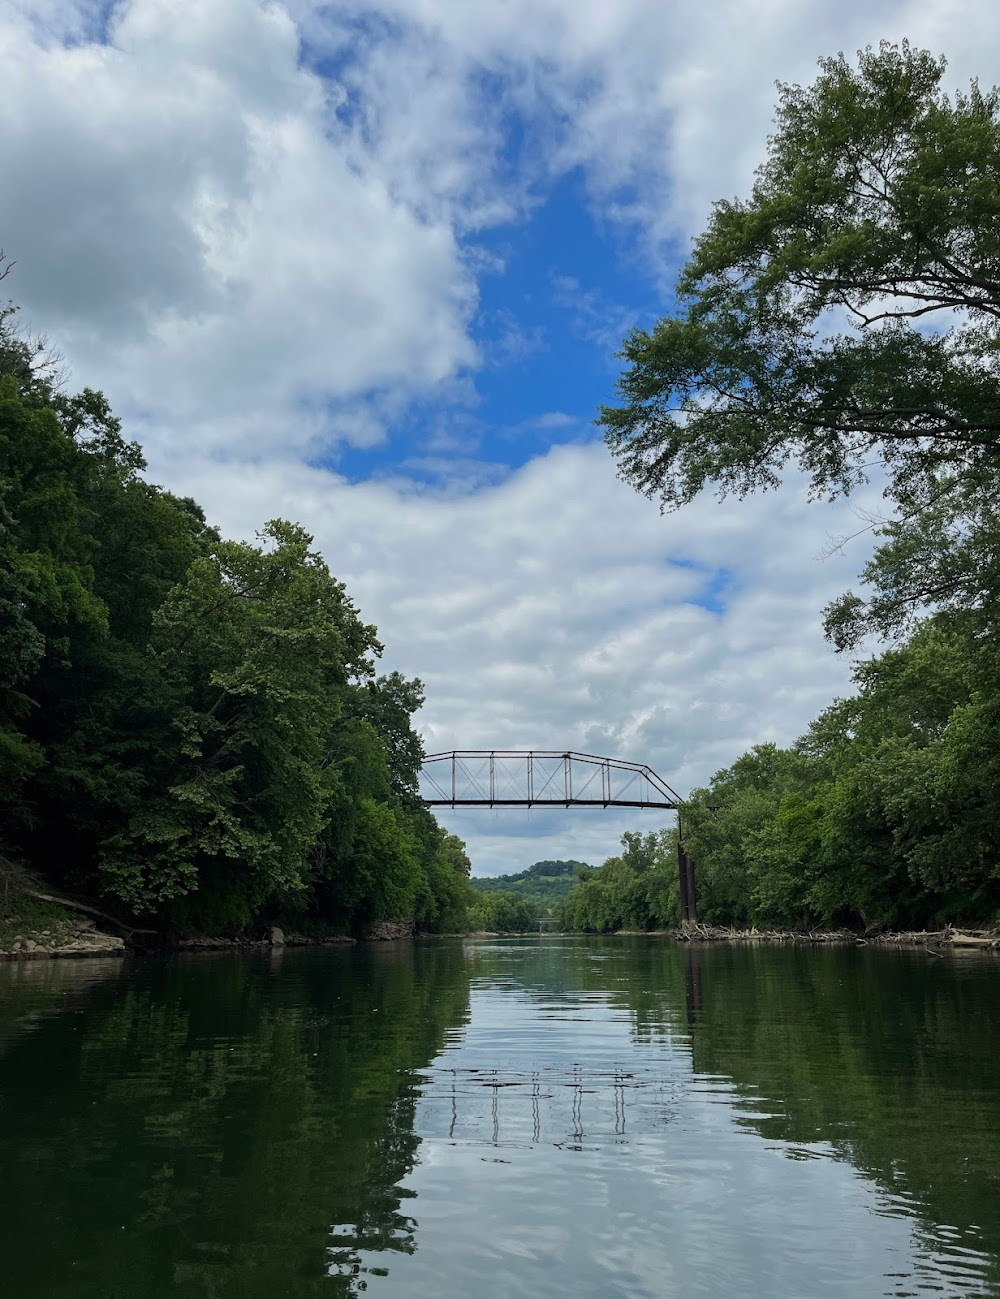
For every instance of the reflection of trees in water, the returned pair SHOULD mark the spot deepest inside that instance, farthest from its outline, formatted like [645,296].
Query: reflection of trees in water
[210,1127]
[33,991]
[887,1056]
[201,1132]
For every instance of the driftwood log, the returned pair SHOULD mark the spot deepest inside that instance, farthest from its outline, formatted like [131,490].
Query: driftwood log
[949,936]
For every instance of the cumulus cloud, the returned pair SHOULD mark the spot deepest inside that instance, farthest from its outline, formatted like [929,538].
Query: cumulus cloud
[193,222]
[255,226]
[662,108]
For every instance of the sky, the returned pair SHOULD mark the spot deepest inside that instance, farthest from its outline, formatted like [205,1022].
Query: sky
[367,265]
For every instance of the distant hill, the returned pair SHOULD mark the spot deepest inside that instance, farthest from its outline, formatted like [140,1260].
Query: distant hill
[545,883]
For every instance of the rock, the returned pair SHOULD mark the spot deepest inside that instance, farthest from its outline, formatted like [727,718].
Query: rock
[277,937]
[92,944]
[388,930]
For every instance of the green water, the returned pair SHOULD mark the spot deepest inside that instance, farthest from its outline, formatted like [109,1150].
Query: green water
[546,1117]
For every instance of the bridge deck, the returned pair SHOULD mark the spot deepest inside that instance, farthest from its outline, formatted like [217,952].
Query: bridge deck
[548,802]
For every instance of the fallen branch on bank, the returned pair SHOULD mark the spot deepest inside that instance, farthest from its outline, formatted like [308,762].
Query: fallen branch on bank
[87,910]
[949,936]
[16,879]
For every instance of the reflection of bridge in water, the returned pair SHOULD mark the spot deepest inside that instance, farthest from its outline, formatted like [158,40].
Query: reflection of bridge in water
[564,1104]
[568,1108]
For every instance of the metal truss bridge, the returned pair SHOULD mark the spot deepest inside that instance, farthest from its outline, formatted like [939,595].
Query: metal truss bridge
[540,778]
[548,778]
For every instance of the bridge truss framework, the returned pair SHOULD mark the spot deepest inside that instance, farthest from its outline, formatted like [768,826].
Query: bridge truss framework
[540,778]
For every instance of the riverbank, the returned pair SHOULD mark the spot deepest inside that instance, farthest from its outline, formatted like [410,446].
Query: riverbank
[38,926]
[987,939]
[35,925]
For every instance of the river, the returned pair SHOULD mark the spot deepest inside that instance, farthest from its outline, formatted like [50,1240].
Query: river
[537,1118]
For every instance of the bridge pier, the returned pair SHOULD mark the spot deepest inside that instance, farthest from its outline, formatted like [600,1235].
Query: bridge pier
[685,871]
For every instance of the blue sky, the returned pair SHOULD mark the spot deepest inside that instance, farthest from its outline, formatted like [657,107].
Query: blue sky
[560,291]
[366,265]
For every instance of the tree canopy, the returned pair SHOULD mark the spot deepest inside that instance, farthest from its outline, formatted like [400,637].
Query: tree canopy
[192,728]
[847,312]
[543,884]
[844,320]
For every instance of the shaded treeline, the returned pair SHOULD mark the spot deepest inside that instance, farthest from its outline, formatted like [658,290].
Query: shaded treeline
[503,912]
[885,813]
[190,727]
[515,903]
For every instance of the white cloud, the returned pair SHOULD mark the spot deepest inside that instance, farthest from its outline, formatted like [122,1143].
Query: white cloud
[550,611]
[664,108]
[253,225]
[182,202]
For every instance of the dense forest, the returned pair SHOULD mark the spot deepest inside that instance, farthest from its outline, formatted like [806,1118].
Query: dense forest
[517,903]
[191,729]
[843,321]
[545,883]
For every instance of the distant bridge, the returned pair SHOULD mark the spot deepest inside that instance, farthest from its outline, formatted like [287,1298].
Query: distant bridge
[549,778]
[540,778]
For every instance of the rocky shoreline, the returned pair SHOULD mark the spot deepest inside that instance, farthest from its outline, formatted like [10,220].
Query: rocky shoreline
[76,937]
[82,938]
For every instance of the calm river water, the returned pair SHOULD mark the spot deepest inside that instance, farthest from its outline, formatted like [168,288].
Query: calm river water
[533,1118]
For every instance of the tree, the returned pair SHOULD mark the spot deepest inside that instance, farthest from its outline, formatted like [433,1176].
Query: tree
[844,318]
[636,890]
[449,893]
[257,643]
[945,555]
[22,647]
[389,703]
[191,726]
[506,913]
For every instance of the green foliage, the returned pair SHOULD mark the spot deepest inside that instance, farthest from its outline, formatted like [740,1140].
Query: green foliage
[190,726]
[545,884]
[844,317]
[254,645]
[636,890]
[504,913]
[844,314]
[449,894]
[388,704]
[885,813]
[943,555]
